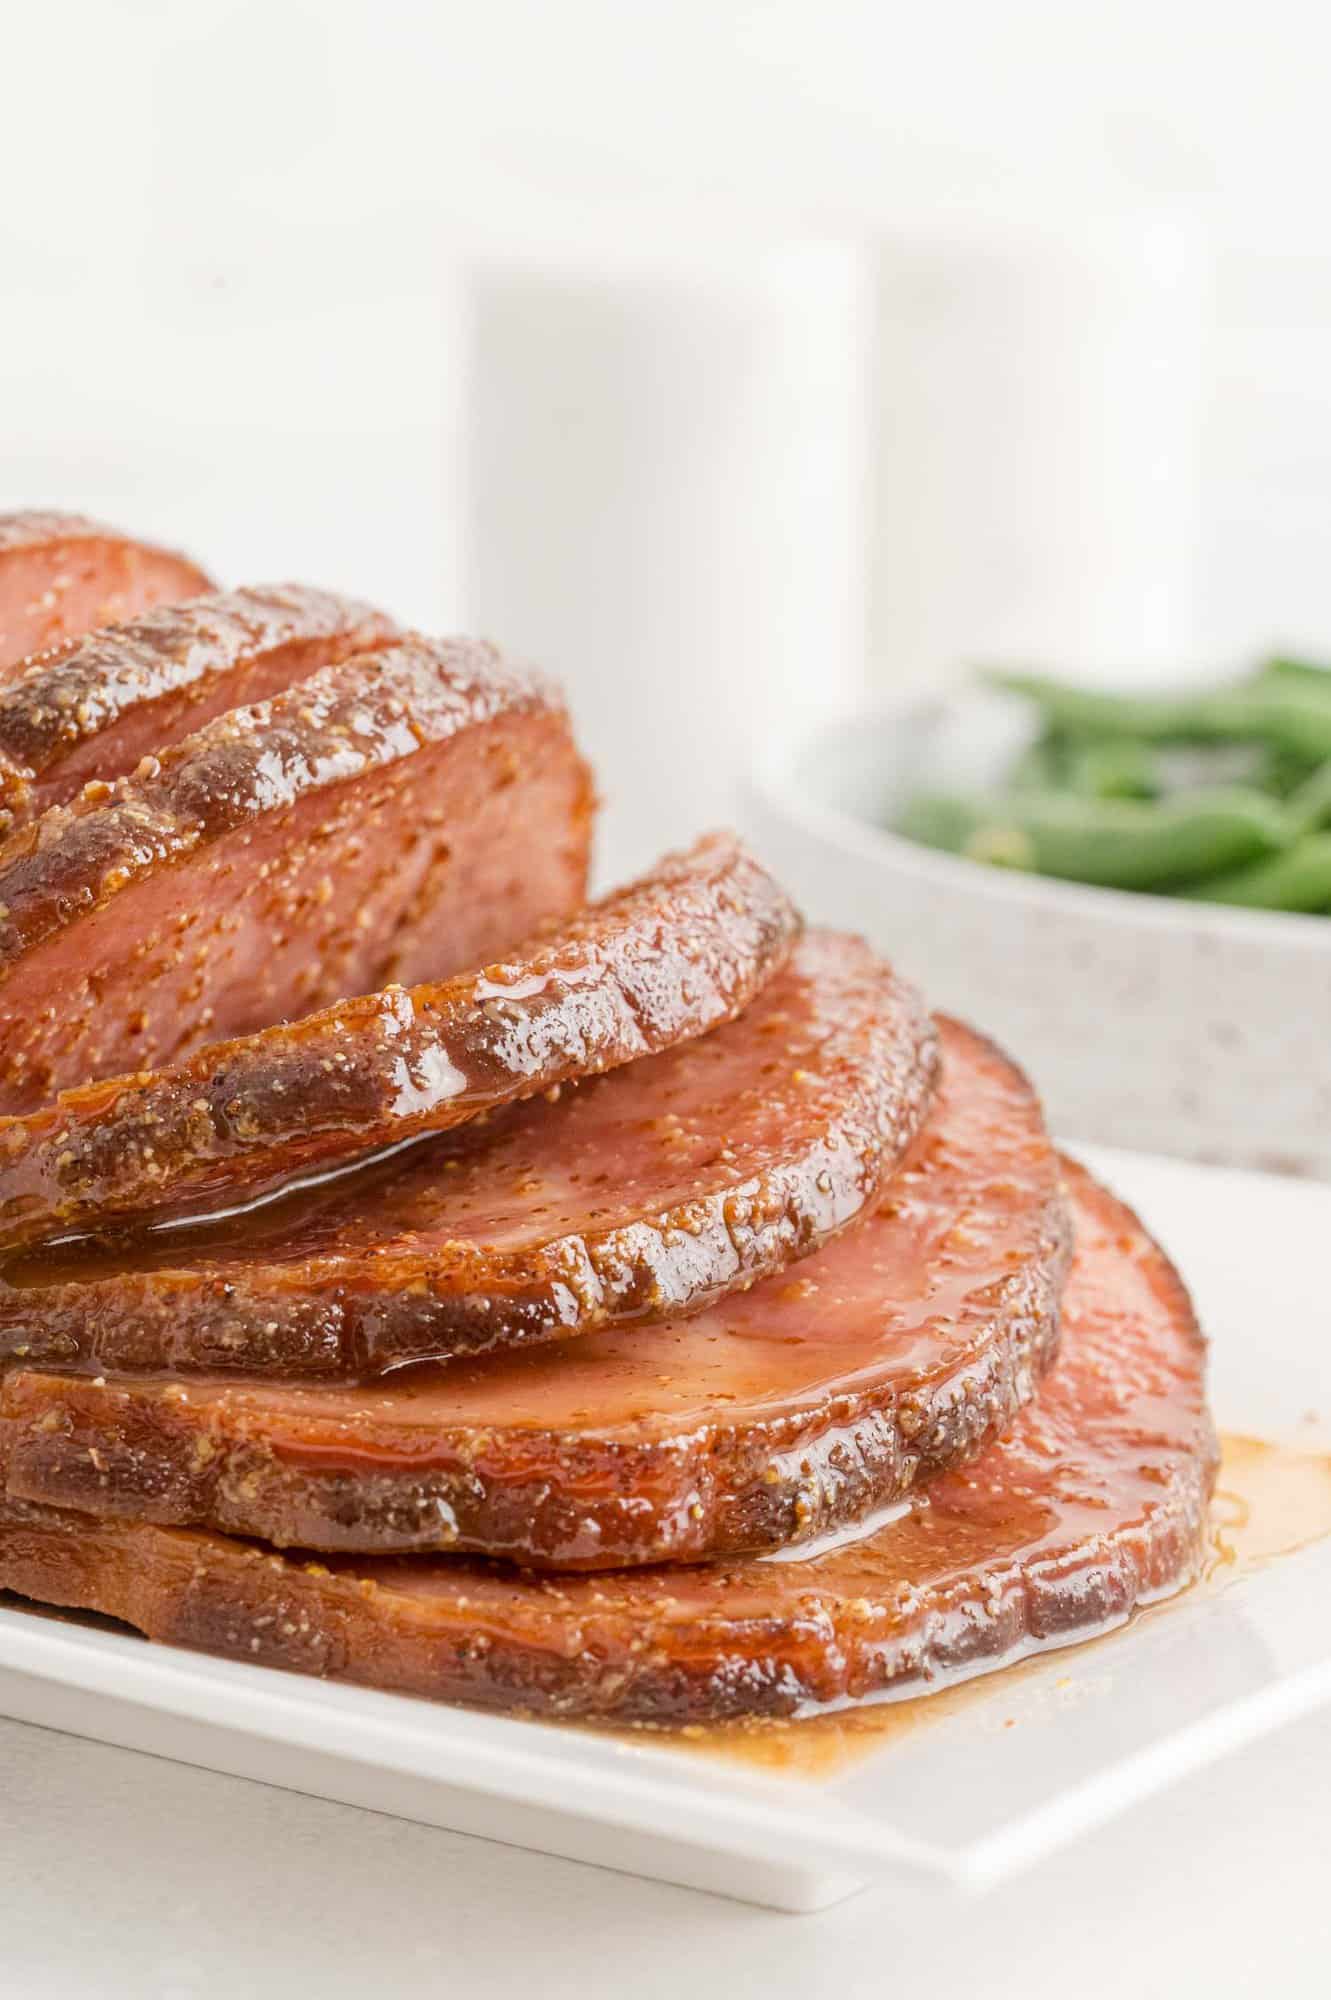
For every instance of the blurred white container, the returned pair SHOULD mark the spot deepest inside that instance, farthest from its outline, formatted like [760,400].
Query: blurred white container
[1038,446]
[666,506]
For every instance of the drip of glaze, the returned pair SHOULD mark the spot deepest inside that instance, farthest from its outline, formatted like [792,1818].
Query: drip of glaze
[1270,1501]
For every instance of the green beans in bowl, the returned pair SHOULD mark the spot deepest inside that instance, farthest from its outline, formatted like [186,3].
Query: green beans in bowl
[1176,1022]
[1221,794]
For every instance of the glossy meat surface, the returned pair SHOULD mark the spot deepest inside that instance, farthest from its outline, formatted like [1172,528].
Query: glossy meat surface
[649,1191]
[771,1417]
[655,964]
[396,816]
[61,575]
[1094,1502]
[88,710]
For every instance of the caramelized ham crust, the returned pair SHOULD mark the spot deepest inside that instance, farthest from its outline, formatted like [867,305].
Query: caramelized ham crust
[90,709]
[773,1416]
[656,964]
[396,816]
[1094,1502]
[650,1191]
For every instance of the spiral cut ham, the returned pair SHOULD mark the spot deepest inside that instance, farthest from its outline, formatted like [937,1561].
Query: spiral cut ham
[772,1417]
[1093,1503]
[397,816]
[541,1223]
[680,952]
[641,1312]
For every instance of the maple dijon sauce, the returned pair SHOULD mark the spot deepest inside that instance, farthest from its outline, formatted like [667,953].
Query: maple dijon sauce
[1270,1501]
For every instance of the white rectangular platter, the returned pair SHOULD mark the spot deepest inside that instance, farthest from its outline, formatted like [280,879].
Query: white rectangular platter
[1046,1754]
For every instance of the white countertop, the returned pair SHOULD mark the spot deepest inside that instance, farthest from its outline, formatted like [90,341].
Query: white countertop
[123,1875]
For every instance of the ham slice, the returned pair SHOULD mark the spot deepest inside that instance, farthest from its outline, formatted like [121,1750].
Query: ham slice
[772,1417]
[655,964]
[90,709]
[399,815]
[643,1193]
[61,575]
[1094,1502]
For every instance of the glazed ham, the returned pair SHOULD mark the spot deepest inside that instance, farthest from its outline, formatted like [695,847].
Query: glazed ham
[396,816]
[1094,1501]
[640,1312]
[656,964]
[90,709]
[61,575]
[770,1418]
[551,1220]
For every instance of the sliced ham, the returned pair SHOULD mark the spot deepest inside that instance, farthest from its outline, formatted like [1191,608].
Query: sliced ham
[90,709]
[639,1194]
[399,815]
[61,575]
[1094,1502]
[772,1417]
[654,965]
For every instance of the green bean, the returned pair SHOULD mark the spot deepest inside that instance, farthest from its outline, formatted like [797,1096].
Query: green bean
[1309,804]
[1282,772]
[1041,766]
[1304,673]
[1115,843]
[1287,715]
[1298,879]
[1115,767]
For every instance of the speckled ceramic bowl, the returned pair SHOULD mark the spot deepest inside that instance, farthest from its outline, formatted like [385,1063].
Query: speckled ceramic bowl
[1172,1026]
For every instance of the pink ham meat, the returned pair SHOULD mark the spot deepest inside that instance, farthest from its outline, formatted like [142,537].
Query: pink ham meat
[543,1222]
[656,964]
[1093,1503]
[774,1416]
[61,575]
[90,709]
[396,816]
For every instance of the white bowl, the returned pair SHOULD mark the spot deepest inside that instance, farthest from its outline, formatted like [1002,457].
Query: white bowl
[1171,1026]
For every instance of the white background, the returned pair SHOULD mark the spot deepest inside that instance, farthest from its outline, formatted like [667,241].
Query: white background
[229,243]
[232,314]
